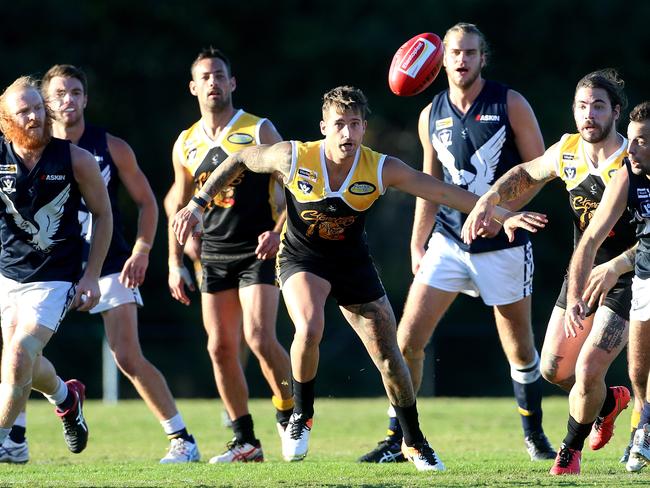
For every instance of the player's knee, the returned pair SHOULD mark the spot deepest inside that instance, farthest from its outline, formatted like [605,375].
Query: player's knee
[129,362]
[527,373]
[222,352]
[412,353]
[15,391]
[308,337]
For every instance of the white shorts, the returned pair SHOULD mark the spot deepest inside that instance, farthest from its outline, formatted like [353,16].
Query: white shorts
[640,309]
[499,277]
[115,294]
[40,302]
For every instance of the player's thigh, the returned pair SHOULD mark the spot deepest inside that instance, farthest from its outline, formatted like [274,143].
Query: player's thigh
[259,303]
[304,295]
[121,327]
[607,338]
[222,316]
[559,352]
[424,307]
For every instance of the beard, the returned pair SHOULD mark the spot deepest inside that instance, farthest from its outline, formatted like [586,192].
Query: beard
[600,134]
[21,137]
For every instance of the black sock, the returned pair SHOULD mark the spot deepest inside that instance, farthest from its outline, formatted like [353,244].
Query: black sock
[303,394]
[282,416]
[243,429]
[576,434]
[183,434]
[68,403]
[394,433]
[408,419]
[529,401]
[17,434]
[608,404]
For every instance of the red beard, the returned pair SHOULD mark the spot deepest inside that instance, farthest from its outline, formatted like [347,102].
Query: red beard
[20,137]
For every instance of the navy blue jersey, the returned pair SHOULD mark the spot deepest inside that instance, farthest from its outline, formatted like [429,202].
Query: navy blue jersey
[638,202]
[474,149]
[39,227]
[94,141]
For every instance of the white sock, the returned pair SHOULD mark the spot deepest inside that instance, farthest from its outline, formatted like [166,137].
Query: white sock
[60,393]
[173,424]
[21,420]
[391,411]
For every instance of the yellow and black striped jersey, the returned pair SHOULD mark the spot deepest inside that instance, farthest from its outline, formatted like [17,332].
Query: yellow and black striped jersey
[585,183]
[322,222]
[239,213]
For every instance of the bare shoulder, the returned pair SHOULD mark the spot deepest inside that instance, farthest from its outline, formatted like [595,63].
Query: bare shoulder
[424,115]
[268,133]
[518,106]
[120,150]
[81,157]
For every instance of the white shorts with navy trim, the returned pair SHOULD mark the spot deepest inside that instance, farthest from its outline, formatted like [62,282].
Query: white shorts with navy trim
[499,277]
[115,294]
[39,302]
[640,309]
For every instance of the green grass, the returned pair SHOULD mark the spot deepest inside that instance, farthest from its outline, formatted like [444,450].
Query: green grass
[479,440]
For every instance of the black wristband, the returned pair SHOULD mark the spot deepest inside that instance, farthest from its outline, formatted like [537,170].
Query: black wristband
[199,201]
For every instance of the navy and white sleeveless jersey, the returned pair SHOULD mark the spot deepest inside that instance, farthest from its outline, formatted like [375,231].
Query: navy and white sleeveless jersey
[39,227]
[94,141]
[474,149]
[638,202]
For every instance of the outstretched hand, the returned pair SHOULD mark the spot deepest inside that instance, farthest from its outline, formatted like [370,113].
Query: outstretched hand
[530,221]
[479,219]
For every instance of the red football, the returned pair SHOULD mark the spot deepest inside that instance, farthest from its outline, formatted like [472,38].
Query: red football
[415,65]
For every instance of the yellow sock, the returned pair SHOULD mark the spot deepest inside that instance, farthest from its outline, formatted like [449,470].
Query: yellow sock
[282,404]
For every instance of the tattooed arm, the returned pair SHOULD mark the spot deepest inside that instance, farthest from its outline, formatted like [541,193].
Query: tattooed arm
[274,158]
[518,181]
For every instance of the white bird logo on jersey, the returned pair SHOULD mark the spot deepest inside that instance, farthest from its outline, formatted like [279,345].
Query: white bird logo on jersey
[484,161]
[46,220]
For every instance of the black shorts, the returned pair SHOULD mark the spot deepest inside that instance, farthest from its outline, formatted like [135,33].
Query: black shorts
[228,271]
[351,284]
[618,299]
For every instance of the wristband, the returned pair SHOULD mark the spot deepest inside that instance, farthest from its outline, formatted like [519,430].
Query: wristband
[141,247]
[201,199]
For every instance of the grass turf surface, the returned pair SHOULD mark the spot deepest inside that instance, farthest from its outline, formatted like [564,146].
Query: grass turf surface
[479,440]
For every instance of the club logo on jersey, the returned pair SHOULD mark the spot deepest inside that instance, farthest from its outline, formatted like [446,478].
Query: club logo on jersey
[8,184]
[304,187]
[191,154]
[593,189]
[362,188]
[53,177]
[328,227]
[99,159]
[445,137]
[570,172]
[240,138]
[8,169]
[310,174]
[445,123]
[645,209]
[483,118]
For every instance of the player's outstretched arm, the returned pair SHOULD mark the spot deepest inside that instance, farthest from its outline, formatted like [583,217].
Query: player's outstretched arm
[401,176]
[93,190]
[517,181]
[608,212]
[274,158]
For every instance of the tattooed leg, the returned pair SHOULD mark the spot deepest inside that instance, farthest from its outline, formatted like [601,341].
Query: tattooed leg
[374,323]
[607,339]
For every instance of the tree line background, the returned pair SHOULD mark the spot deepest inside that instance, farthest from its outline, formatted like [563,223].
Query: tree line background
[285,55]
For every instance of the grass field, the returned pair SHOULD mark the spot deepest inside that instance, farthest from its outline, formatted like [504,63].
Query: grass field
[479,440]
